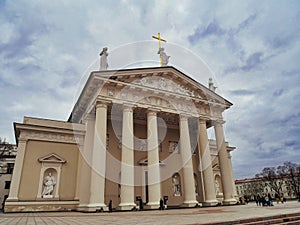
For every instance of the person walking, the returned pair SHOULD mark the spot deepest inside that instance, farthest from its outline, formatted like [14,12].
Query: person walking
[110,206]
[161,204]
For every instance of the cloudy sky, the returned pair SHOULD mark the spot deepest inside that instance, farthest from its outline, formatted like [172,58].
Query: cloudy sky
[252,47]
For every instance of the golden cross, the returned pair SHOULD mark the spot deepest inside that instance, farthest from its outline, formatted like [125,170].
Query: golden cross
[159,45]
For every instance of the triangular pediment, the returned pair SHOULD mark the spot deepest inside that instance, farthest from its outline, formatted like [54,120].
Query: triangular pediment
[150,85]
[167,79]
[52,158]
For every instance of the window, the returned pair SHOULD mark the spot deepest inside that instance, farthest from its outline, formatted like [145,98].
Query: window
[7,184]
[10,168]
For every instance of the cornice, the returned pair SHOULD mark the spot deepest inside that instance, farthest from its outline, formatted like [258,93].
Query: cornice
[43,133]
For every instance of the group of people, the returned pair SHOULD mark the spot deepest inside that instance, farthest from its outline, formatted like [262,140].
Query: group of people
[267,199]
[264,199]
[162,205]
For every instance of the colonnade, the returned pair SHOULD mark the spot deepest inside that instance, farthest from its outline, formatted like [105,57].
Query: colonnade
[127,197]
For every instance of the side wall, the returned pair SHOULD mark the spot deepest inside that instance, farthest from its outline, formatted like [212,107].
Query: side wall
[31,169]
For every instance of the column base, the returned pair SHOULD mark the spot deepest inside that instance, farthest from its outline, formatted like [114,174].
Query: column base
[230,201]
[12,199]
[190,204]
[152,205]
[92,207]
[210,203]
[126,206]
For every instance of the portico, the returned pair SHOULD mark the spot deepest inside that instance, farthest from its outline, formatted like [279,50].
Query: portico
[142,109]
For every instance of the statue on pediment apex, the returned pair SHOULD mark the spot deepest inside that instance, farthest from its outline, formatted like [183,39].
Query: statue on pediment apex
[164,57]
[103,59]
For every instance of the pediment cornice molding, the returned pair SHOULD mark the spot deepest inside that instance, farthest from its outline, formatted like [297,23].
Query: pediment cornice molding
[52,158]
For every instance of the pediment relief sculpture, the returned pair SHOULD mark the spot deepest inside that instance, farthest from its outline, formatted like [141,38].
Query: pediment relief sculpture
[166,85]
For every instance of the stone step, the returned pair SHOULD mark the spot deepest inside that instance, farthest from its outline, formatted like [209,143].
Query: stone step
[277,220]
[288,219]
[290,223]
[291,220]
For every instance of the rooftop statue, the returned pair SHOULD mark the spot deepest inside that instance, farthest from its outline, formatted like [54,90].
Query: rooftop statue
[164,57]
[103,59]
[211,85]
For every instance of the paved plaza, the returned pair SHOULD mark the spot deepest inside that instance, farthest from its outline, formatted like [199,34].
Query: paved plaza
[174,216]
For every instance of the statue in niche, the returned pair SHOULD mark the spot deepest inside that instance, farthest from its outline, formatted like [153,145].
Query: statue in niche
[173,147]
[164,57]
[142,145]
[176,184]
[103,59]
[217,187]
[49,183]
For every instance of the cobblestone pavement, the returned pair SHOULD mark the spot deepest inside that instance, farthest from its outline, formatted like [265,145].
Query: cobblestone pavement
[174,216]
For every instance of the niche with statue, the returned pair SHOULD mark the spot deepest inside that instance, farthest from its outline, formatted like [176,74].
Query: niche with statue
[50,177]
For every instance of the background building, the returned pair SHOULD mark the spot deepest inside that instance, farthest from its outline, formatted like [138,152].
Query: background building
[7,160]
[252,187]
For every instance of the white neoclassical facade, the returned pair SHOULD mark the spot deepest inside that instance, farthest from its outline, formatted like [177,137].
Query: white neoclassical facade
[134,135]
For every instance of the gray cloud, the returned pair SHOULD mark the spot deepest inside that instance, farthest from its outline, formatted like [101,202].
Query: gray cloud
[253,49]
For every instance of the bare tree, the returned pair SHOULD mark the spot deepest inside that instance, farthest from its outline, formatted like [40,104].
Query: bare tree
[254,188]
[269,176]
[292,173]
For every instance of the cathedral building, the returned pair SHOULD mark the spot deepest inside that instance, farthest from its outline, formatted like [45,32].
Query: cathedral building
[134,135]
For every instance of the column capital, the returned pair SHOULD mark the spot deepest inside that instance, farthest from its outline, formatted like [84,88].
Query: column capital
[218,122]
[102,103]
[185,116]
[202,121]
[153,111]
[128,107]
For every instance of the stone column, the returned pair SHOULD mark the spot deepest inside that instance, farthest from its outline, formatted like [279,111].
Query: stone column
[153,160]
[186,155]
[16,176]
[228,193]
[85,170]
[127,160]
[207,171]
[98,162]
[232,177]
